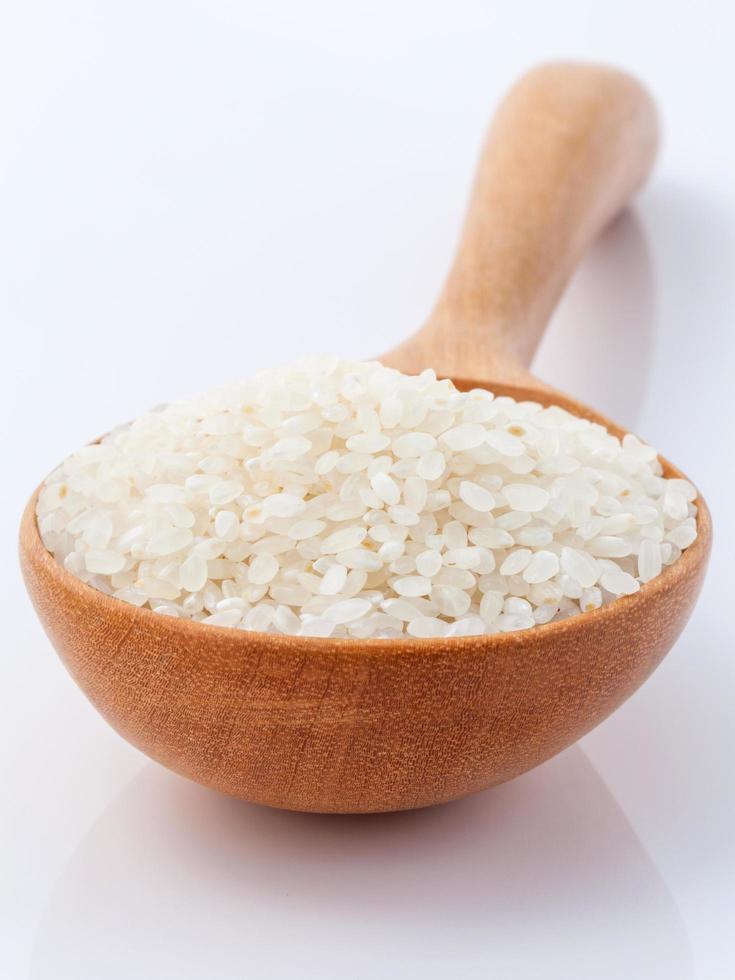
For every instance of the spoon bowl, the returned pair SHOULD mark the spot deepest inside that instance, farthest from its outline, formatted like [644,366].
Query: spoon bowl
[348,726]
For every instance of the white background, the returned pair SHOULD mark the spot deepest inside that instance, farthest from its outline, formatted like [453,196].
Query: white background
[193,190]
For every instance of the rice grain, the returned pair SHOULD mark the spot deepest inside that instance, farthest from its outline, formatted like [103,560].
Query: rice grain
[345,499]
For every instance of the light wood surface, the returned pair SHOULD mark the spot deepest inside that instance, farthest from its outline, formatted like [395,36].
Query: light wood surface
[350,726]
[567,148]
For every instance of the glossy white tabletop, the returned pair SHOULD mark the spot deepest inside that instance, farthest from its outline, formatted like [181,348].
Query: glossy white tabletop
[190,191]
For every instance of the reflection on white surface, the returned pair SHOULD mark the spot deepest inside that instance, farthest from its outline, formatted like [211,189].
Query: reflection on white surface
[541,877]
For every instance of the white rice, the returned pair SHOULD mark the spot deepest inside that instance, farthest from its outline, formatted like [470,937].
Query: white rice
[345,499]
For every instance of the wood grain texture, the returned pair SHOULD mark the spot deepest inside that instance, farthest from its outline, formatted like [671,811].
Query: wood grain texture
[567,148]
[350,726]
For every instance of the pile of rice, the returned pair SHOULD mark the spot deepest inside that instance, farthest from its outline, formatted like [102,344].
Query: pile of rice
[345,499]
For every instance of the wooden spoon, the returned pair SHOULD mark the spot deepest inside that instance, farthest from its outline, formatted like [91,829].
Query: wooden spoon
[354,726]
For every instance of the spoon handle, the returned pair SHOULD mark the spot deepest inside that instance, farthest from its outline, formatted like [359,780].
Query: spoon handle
[568,146]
